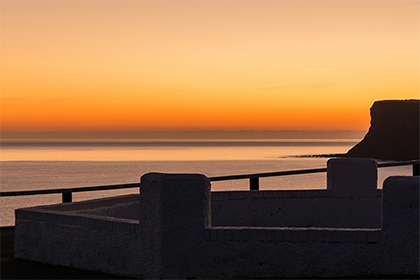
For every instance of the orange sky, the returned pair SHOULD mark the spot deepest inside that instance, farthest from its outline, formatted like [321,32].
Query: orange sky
[156,65]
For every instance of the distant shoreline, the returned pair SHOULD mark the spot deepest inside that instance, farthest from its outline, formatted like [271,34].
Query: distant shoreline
[317,156]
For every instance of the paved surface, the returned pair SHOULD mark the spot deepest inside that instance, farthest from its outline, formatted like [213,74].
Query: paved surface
[12,268]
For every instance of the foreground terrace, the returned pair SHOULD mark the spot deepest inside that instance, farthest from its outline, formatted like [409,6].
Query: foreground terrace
[344,231]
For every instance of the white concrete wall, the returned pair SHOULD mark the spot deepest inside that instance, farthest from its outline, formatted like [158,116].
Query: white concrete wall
[295,209]
[351,200]
[297,256]
[247,252]
[401,228]
[99,249]
[175,239]
[63,235]
[124,210]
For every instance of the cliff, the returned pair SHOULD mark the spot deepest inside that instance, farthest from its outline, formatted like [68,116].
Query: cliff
[393,133]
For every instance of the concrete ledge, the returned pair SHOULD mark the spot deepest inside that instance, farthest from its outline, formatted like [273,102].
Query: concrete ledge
[232,195]
[89,204]
[300,235]
[73,214]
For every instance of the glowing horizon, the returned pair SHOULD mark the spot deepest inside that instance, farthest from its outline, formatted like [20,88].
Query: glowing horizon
[204,65]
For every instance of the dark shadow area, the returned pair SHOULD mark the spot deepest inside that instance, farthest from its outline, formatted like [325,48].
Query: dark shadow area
[12,268]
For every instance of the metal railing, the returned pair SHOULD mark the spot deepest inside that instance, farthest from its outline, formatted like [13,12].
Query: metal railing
[253,181]
[67,192]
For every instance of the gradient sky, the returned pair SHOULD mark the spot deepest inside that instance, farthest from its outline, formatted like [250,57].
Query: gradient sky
[156,65]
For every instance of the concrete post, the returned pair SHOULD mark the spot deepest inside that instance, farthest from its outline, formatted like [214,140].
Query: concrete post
[352,177]
[400,223]
[175,210]
[416,169]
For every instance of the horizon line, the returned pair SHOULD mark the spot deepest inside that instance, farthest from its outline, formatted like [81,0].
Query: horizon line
[186,134]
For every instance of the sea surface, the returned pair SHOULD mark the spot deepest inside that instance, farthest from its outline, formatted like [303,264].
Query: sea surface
[33,165]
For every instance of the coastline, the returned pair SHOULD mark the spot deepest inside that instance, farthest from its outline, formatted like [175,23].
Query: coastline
[317,156]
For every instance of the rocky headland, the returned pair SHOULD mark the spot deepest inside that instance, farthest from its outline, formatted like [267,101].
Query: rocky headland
[393,133]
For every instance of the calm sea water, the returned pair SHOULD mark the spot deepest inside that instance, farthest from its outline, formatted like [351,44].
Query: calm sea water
[30,165]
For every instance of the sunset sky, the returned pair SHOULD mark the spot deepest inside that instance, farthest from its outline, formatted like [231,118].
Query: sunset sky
[108,65]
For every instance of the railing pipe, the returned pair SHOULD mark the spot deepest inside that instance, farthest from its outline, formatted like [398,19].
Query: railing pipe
[398,163]
[80,189]
[269,174]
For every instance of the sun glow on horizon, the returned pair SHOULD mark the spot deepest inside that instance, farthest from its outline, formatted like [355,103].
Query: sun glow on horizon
[203,65]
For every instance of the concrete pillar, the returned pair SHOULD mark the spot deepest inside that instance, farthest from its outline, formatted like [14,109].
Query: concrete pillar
[175,210]
[400,223]
[352,177]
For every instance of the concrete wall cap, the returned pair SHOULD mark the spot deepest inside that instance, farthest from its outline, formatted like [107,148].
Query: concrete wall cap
[352,161]
[156,176]
[402,180]
[352,177]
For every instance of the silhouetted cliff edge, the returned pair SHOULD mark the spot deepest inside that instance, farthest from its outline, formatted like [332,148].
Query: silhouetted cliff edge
[393,133]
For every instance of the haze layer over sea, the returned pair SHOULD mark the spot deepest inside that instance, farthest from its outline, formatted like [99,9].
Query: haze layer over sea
[48,164]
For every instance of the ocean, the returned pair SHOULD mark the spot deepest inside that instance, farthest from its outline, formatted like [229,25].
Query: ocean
[36,164]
